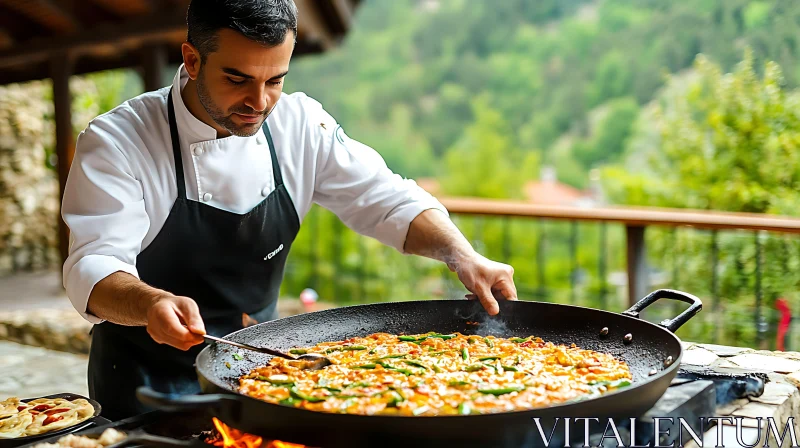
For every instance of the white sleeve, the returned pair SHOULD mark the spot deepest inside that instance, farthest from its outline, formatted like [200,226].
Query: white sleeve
[103,207]
[353,181]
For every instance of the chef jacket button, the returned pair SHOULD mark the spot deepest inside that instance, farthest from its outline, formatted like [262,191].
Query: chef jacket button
[207,197]
[198,151]
[265,191]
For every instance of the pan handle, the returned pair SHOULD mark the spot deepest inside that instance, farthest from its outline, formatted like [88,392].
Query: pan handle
[695,305]
[172,403]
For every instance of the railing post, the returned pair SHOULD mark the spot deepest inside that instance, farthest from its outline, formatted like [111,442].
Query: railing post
[573,255]
[540,260]
[637,263]
[757,318]
[715,285]
[601,268]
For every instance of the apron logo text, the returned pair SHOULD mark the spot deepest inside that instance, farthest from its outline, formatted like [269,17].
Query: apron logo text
[273,253]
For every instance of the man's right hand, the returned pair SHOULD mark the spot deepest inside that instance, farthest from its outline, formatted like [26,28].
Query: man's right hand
[176,321]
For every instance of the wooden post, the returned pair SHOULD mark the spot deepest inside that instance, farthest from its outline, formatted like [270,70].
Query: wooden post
[637,263]
[154,61]
[60,71]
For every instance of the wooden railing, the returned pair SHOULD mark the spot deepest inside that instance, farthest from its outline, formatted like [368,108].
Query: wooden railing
[635,220]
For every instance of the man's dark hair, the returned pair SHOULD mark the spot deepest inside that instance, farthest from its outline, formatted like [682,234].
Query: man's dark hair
[264,21]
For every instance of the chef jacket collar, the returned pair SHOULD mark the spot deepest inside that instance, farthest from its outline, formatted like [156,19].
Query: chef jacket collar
[191,128]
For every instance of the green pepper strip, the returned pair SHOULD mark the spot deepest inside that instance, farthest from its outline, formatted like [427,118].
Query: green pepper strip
[298,351]
[519,340]
[369,366]
[464,408]
[290,401]
[488,358]
[349,396]
[458,383]
[301,396]
[502,390]
[510,368]
[407,338]
[465,354]
[617,383]
[442,336]
[474,367]
[331,389]
[416,364]
[436,368]
[276,382]
[489,342]
[388,366]
[390,357]
[347,348]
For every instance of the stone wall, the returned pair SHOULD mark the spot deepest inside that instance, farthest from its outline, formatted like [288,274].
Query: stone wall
[28,187]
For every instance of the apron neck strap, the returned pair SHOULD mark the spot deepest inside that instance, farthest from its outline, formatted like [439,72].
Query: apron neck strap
[176,147]
[276,170]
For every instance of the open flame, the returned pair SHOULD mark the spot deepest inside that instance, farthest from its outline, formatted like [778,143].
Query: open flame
[233,438]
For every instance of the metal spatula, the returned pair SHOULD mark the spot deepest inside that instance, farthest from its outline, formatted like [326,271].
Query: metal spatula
[311,361]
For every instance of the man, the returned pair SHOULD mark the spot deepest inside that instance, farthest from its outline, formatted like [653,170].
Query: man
[183,203]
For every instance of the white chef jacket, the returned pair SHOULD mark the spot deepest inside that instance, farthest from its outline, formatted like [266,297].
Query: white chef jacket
[122,184]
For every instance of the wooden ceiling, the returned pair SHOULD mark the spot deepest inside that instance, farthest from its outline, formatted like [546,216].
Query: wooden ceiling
[106,34]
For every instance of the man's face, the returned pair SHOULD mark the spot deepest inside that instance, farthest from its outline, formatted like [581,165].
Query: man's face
[242,80]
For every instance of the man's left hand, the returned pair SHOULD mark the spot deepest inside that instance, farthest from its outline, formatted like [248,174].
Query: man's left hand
[487,280]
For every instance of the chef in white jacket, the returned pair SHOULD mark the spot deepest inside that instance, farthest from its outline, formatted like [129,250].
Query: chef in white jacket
[182,203]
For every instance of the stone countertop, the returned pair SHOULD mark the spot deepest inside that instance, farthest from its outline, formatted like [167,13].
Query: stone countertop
[780,400]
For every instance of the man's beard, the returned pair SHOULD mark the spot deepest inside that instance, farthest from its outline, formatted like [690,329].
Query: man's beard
[225,120]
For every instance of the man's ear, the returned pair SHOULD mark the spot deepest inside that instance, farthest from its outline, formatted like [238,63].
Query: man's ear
[191,60]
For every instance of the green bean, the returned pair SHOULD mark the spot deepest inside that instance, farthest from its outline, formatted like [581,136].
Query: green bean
[301,396]
[368,366]
[298,351]
[464,408]
[489,342]
[488,358]
[465,354]
[474,367]
[456,383]
[416,364]
[502,390]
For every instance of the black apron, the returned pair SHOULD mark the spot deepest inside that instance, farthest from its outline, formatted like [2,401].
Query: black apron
[228,263]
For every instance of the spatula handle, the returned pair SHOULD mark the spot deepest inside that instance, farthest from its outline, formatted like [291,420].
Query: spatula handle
[211,339]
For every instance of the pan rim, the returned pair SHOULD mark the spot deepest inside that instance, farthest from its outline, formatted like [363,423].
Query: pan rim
[633,388]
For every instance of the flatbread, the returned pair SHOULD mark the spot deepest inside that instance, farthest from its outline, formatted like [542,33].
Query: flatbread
[109,437]
[42,415]
[8,407]
[15,426]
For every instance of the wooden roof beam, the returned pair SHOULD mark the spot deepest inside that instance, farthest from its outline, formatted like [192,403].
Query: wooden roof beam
[45,12]
[152,27]
[312,27]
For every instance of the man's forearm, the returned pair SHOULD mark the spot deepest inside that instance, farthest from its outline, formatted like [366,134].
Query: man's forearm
[433,235]
[122,299]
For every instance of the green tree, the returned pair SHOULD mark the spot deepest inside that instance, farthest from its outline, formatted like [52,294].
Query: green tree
[485,161]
